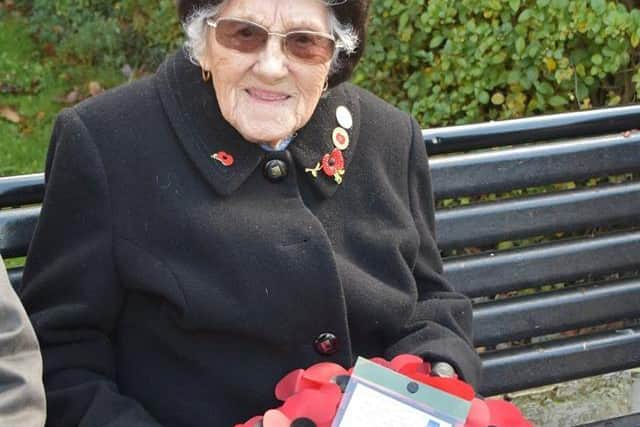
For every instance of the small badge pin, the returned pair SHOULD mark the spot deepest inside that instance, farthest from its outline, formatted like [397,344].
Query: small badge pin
[223,157]
[340,138]
[332,165]
[344,117]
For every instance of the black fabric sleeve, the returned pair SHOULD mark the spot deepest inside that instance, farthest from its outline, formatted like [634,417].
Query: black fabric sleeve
[71,288]
[440,328]
[22,400]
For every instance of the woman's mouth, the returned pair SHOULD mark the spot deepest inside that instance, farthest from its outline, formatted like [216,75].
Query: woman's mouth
[262,95]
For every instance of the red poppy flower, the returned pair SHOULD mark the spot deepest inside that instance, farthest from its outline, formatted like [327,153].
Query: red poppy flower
[223,157]
[410,363]
[479,415]
[320,406]
[313,377]
[313,394]
[275,418]
[505,414]
[322,373]
[289,385]
[333,163]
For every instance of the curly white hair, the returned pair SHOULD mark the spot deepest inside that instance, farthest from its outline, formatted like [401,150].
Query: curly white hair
[196,30]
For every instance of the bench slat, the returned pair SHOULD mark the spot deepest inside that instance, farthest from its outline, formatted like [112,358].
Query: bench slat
[491,274]
[557,361]
[550,312]
[507,169]
[21,190]
[531,129]
[631,420]
[488,223]
[16,229]
[15,277]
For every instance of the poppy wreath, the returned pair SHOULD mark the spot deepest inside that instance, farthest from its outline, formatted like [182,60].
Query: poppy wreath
[311,396]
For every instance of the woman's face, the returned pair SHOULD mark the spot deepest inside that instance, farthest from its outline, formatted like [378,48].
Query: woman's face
[267,96]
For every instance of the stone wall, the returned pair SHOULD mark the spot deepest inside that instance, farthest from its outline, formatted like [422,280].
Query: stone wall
[581,401]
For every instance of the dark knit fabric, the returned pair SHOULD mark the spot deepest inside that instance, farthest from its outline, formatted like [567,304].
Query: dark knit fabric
[168,289]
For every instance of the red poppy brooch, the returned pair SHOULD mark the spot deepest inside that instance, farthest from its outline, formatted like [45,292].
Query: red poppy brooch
[311,396]
[223,157]
[332,164]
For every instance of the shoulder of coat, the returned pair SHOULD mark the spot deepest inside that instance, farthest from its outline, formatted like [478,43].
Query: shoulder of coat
[126,100]
[382,124]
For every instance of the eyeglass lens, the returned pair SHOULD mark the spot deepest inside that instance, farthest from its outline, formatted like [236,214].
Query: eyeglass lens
[248,37]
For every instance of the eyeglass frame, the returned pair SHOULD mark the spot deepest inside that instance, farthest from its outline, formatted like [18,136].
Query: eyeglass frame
[213,24]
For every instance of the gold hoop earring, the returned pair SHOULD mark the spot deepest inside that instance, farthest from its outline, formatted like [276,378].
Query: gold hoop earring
[206,74]
[326,86]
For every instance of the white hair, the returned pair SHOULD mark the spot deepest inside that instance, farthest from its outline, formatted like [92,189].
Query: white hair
[196,31]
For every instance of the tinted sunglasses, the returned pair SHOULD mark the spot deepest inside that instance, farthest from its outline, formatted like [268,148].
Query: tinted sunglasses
[310,47]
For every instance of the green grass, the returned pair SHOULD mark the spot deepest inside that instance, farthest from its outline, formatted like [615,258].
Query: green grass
[14,262]
[37,85]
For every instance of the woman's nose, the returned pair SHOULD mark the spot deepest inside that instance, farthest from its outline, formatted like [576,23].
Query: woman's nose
[272,60]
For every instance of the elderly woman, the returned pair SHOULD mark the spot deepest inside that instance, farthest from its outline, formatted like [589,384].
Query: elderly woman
[241,213]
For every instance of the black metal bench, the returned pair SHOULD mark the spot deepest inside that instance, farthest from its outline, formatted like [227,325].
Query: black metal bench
[584,263]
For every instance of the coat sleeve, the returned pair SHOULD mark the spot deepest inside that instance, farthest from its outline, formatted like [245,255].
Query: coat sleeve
[71,289]
[22,400]
[440,328]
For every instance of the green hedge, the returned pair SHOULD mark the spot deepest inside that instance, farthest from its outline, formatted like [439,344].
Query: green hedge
[451,62]
[101,32]
[445,61]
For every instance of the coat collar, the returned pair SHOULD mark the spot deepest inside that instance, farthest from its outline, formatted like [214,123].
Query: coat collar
[193,111]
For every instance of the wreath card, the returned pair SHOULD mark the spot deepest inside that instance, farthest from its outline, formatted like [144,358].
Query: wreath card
[380,397]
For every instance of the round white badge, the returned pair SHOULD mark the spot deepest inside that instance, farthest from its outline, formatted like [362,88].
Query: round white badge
[340,138]
[344,117]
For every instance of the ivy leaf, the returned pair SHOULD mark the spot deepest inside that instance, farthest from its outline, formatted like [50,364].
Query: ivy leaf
[599,6]
[497,98]
[525,15]
[550,63]
[545,88]
[436,41]
[614,101]
[514,5]
[557,101]
[404,19]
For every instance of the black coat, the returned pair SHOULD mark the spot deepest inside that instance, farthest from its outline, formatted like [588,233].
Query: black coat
[169,289]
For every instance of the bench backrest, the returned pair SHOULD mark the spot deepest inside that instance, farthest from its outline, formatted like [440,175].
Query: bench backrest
[552,263]
[553,270]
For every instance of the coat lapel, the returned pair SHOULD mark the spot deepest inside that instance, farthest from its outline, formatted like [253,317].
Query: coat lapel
[316,138]
[193,111]
[194,114]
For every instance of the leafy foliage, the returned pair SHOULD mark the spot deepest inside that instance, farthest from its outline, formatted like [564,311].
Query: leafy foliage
[445,61]
[453,62]
[100,32]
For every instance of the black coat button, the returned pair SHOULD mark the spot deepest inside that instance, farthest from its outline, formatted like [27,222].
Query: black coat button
[276,170]
[303,422]
[326,343]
